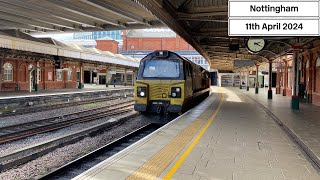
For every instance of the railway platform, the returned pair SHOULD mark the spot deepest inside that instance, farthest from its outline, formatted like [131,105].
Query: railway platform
[227,136]
[13,100]
[303,124]
[87,88]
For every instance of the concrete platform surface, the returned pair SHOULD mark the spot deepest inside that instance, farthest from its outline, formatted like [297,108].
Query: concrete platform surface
[47,92]
[304,123]
[228,136]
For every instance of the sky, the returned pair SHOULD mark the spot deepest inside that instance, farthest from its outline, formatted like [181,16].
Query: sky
[67,36]
[60,36]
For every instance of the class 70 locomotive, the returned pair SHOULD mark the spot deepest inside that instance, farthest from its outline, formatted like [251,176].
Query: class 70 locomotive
[168,82]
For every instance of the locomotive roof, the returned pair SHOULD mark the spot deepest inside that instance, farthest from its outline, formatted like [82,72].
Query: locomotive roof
[171,54]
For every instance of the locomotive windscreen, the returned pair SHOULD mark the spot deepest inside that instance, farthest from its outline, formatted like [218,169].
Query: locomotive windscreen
[161,69]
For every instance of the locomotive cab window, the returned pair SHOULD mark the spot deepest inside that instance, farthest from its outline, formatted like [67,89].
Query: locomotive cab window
[161,69]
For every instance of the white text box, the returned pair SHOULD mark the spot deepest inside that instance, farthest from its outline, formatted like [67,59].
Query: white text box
[273,27]
[270,8]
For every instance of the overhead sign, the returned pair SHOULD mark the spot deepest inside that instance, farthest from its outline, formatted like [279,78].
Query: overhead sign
[243,63]
[57,62]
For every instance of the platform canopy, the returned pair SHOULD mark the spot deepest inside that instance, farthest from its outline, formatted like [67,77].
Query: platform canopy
[74,15]
[202,23]
[14,43]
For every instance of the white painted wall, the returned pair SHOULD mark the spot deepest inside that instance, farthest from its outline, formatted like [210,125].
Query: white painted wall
[231,79]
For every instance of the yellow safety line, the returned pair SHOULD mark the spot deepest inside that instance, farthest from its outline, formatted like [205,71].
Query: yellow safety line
[177,165]
[161,160]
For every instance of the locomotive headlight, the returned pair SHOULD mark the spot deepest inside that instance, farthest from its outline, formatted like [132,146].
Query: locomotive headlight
[141,91]
[176,92]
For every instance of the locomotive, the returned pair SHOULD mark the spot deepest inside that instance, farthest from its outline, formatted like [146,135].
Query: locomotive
[168,82]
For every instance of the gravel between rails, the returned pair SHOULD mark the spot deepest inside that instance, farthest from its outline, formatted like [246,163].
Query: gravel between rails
[68,153]
[15,145]
[12,120]
[61,104]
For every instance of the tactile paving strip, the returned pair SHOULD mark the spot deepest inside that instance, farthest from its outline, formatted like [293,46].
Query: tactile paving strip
[160,161]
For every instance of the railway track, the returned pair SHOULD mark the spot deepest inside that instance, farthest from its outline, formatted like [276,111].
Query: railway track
[33,152]
[89,160]
[20,131]
[59,105]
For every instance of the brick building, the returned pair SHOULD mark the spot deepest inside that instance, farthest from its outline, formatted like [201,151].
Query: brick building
[28,63]
[139,43]
[309,75]
[108,44]
[149,39]
[20,73]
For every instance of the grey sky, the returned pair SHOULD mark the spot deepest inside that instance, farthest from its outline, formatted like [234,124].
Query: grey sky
[61,36]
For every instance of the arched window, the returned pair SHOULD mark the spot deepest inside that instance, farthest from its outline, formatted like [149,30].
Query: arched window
[8,72]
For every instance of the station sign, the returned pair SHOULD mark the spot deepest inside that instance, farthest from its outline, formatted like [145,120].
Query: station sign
[243,63]
[273,18]
[57,62]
